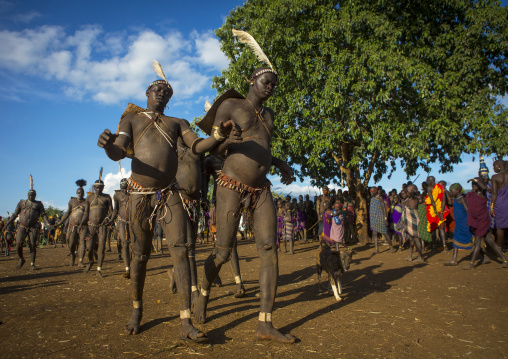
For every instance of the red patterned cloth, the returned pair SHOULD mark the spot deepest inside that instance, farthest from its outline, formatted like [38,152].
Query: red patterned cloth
[478,218]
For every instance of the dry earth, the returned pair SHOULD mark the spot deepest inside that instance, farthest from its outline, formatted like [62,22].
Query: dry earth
[391,309]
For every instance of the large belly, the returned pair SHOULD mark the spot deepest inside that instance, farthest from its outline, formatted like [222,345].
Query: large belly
[248,163]
[28,218]
[189,178]
[76,216]
[154,167]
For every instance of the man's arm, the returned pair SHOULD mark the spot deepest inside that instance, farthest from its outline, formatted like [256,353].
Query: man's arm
[493,196]
[87,212]
[14,215]
[66,215]
[44,216]
[285,170]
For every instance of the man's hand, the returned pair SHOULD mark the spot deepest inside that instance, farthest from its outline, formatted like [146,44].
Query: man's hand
[287,174]
[106,138]
[440,216]
[235,135]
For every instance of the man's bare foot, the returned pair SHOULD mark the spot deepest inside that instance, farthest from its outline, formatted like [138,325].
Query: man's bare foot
[71,262]
[376,251]
[200,309]
[265,331]
[450,263]
[419,260]
[392,250]
[99,274]
[21,262]
[189,333]
[504,265]
[172,283]
[132,327]
[127,274]
[88,267]
[240,291]
[409,259]
[468,266]
[33,267]
[81,265]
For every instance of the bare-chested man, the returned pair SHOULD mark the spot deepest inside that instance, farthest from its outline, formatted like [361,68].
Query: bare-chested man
[97,208]
[410,221]
[75,212]
[152,137]
[29,211]
[242,183]
[499,199]
[121,198]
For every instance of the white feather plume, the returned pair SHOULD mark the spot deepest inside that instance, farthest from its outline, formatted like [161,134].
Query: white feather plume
[247,39]
[31,182]
[120,167]
[208,106]
[158,70]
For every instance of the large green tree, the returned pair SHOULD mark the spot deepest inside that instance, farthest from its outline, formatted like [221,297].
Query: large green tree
[366,84]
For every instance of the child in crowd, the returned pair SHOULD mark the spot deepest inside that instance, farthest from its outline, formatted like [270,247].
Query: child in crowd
[462,236]
[337,228]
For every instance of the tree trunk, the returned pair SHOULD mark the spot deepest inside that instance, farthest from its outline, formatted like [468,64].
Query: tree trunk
[361,225]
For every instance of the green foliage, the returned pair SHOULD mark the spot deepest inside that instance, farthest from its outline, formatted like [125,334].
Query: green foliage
[53,212]
[373,82]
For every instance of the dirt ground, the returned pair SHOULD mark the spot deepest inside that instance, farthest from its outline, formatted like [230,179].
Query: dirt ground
[391,308]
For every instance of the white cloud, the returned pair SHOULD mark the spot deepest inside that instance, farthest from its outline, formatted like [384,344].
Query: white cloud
[208,49]
[111,68]
[112,181]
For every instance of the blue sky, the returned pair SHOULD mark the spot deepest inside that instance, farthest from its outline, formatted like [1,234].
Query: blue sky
[68,70]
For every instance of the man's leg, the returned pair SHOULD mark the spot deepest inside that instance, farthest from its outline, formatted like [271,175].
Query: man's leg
[20,238]
[140,209]
[103,238]
[90,247]
[227,224]
[73,244]
[265,231]
[176,222]
[500,237]
[374,238]
[123,234]
[32,245]
[235,266]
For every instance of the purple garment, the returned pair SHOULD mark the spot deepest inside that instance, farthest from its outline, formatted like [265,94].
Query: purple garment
[501,208]
[489,202]
[327,226]
[337,230]
[478,218]
[301,220]
[396,215]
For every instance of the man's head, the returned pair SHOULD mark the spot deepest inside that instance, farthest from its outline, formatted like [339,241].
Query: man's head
[98,186]
[123,183]
[300,198]
[263,82]
[431,181]
[455,189]
[80,193]
[31,195]
[373,191]
[498,166]
[325,190]
[307,197]
[159,92]
[411,190]
[442,183]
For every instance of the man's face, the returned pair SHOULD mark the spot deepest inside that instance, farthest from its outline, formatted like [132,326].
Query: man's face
[498,166]
[454,191]
[31,195]
[98,188]
[300,198]
[265,84]
[123,184]
[159,95]
[325,191]
[431,181]
[80,193]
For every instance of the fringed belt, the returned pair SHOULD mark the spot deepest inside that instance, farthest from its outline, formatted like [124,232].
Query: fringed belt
[249,195]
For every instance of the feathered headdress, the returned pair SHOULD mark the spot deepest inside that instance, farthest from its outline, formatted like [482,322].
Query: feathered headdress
[99,181]
[31,184]
[81,183]
[158,70]
[248,39]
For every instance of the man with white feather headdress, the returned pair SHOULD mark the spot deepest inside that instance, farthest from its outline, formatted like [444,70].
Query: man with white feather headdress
[150,137]
[242,184]
[29,211]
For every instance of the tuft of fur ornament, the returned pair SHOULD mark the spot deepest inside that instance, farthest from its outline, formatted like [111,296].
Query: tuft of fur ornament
[81,183]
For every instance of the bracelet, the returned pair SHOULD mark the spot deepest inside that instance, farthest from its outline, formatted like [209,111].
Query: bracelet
[217,136]
[193,146]
[215,127]
[186,132]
